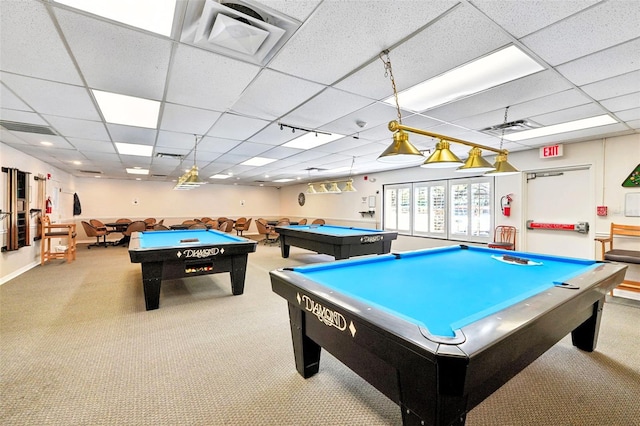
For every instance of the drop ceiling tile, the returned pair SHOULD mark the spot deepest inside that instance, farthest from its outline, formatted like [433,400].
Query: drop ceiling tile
[10,101]
[322,49]
[612,62]
[372,115]
[182,141]
[280,152]
[577,36]
[131,134]
[130,62]
[324,108]
[629,114]
[44,97]
[614,86]
[20,21]
[299,9]
[344,145]
[234,159]
[207,80]
[431,52]
[249,149]
[103,158]
[36,139]
[232,126]
[22,117]
[524,17]
[284,93]
[217,144]
[74,128]
[569,114]
[88,145]
[622,103]
[10,138]
[180,118]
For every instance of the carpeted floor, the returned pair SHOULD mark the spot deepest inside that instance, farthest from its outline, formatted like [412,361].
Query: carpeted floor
[78,348]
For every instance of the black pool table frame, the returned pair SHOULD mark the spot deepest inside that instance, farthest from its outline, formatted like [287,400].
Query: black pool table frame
[436,381]
[189,261]
[338,246]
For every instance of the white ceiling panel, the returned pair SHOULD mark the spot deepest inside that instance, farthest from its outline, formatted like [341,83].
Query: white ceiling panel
[22,23]
[73,128]
[608,63]
[207,80]
[622,103]
[613,87]
[326,107]
[522,17]
[327,77]
[232,126]
[22,117]
[565,40]
[130,62]
[44,97]
[180,118]
[130,134]
[273,94]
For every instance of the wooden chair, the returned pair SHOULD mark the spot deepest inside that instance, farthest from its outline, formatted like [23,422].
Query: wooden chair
[223,226]
[160,227]
[50,231]
[198,225]
[135,226]
[622,255]
[212,224]
[93,231]
[229,227]
[150,221]
[504,237]
[99,225]
[302,222]
[270,235]
[318,222]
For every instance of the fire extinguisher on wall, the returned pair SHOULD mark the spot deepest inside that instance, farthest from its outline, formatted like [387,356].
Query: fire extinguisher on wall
[48,206]
[505,204]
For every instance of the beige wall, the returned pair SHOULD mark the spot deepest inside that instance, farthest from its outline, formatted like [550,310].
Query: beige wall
[611,160]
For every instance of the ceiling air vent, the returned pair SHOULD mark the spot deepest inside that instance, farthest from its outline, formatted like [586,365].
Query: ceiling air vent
[158,176]
[93,172]
[169,155]
[511,127]
[243,29]
[27,128]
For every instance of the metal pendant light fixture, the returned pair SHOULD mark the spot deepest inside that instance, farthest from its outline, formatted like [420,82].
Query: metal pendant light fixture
[401,151]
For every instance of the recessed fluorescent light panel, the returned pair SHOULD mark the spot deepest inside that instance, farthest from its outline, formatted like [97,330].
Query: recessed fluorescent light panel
[219,177]
[586,123]
[127,110]
[489,71]
[134,149]
[283,180]
[136,171]
[151,15]
[258,161]
[312,140]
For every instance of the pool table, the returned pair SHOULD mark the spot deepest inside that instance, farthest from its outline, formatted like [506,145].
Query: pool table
[340,242]
[188,253]
[439,330]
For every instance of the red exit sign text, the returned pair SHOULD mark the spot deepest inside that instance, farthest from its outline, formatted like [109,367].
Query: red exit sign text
[551,151]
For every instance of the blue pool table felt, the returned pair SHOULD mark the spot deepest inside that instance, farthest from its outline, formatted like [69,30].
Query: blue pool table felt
[159,239]
[447,288]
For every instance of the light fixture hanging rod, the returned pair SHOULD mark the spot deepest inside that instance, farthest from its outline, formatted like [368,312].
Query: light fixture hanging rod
[394,126]
[282,125]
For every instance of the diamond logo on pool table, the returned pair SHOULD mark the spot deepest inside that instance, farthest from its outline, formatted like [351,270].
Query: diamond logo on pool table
[179,254]
[352,329]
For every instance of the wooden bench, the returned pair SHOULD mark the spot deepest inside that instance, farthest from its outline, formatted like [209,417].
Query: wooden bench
[623,256]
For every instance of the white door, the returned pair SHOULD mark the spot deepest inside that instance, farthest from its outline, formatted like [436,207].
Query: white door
[560,197]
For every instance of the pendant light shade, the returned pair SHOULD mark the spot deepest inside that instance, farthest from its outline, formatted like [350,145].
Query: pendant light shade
[348,187]
[442,157]
[475,163]
[502,167]
[401,151]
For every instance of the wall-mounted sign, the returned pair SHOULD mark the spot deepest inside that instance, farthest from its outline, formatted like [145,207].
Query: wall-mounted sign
[551,151]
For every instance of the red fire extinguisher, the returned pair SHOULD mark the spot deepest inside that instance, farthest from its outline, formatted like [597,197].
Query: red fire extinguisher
[48,206]
[505,204]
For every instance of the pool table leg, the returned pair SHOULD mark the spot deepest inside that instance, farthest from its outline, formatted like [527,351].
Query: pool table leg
[305,350]
[238,273]
[284,248]
[151,280]
[585,336]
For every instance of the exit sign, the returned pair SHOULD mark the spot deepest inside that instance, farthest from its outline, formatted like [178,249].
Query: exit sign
[551,151]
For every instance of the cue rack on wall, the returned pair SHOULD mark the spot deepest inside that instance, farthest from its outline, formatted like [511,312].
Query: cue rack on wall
[18,209]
